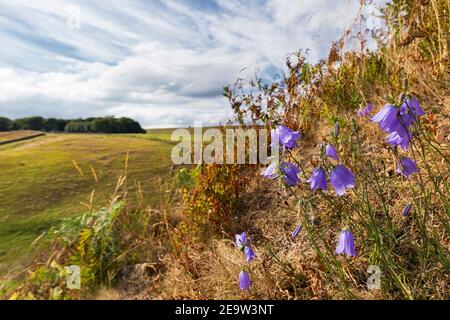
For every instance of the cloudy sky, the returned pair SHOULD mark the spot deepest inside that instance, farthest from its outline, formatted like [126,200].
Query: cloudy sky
[161,62]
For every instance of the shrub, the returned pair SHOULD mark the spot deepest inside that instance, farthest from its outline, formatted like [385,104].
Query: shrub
[213,195]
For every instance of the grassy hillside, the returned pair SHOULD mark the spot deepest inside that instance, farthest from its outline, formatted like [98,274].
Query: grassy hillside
[40,183]
[316,226]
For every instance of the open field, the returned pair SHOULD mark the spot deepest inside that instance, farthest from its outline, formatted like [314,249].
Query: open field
[40,185]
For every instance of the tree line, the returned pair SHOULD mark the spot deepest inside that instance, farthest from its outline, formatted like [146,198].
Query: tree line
[89,125]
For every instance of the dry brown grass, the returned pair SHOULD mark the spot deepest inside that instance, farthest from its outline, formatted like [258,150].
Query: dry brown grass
[285,268]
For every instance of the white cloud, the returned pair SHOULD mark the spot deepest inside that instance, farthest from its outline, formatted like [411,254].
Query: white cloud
[161,63]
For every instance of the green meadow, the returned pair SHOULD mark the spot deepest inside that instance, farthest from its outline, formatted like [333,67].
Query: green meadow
[48,178]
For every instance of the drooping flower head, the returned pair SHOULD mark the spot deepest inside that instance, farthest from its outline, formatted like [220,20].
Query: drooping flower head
[407,116]
[241,240]
[413,106]
[397,121]
[296,232]
[244,280]
[387,118]
[407,209]
[249,254]
[342,178]
[346,244]
[285,136]
[330,151]
[364,112]
[318,179]
[290,173]
[401,137]
[407,167]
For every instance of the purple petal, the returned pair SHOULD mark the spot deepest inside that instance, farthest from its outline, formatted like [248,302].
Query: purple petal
[244,280]
[249,254]
[241,240]
[271,171]
[407,167]
[397,138]
[318,179]
[407,209]
[349,245]
[346,244]
[341,178]
[414,104]
[330,151]
[285,136]
[386,118]
[290,173]
[341,243]
[296,232]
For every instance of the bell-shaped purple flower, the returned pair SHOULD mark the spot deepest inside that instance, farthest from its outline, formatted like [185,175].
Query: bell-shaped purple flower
[397,122]
[249,254]
[318,179]
[407,167]
[387,118]
[342,178]
[330,151]
[244,280]
[364,112]
[285,136]
[401,138]
[406,118]
[241,240]
[410,111]
[271,171]
[407,209]
[415,107]
[346,244]
[296,232]
[290,173]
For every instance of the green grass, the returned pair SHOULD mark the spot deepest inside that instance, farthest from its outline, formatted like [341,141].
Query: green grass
[39,184]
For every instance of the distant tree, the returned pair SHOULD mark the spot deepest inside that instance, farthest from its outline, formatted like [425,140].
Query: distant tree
[98,125]
[56,125]
[70,127]
[127,125]
[50,124]
[105,125]
[14,125]
[5,124]
[78,126]
[61,124]
[30,123]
